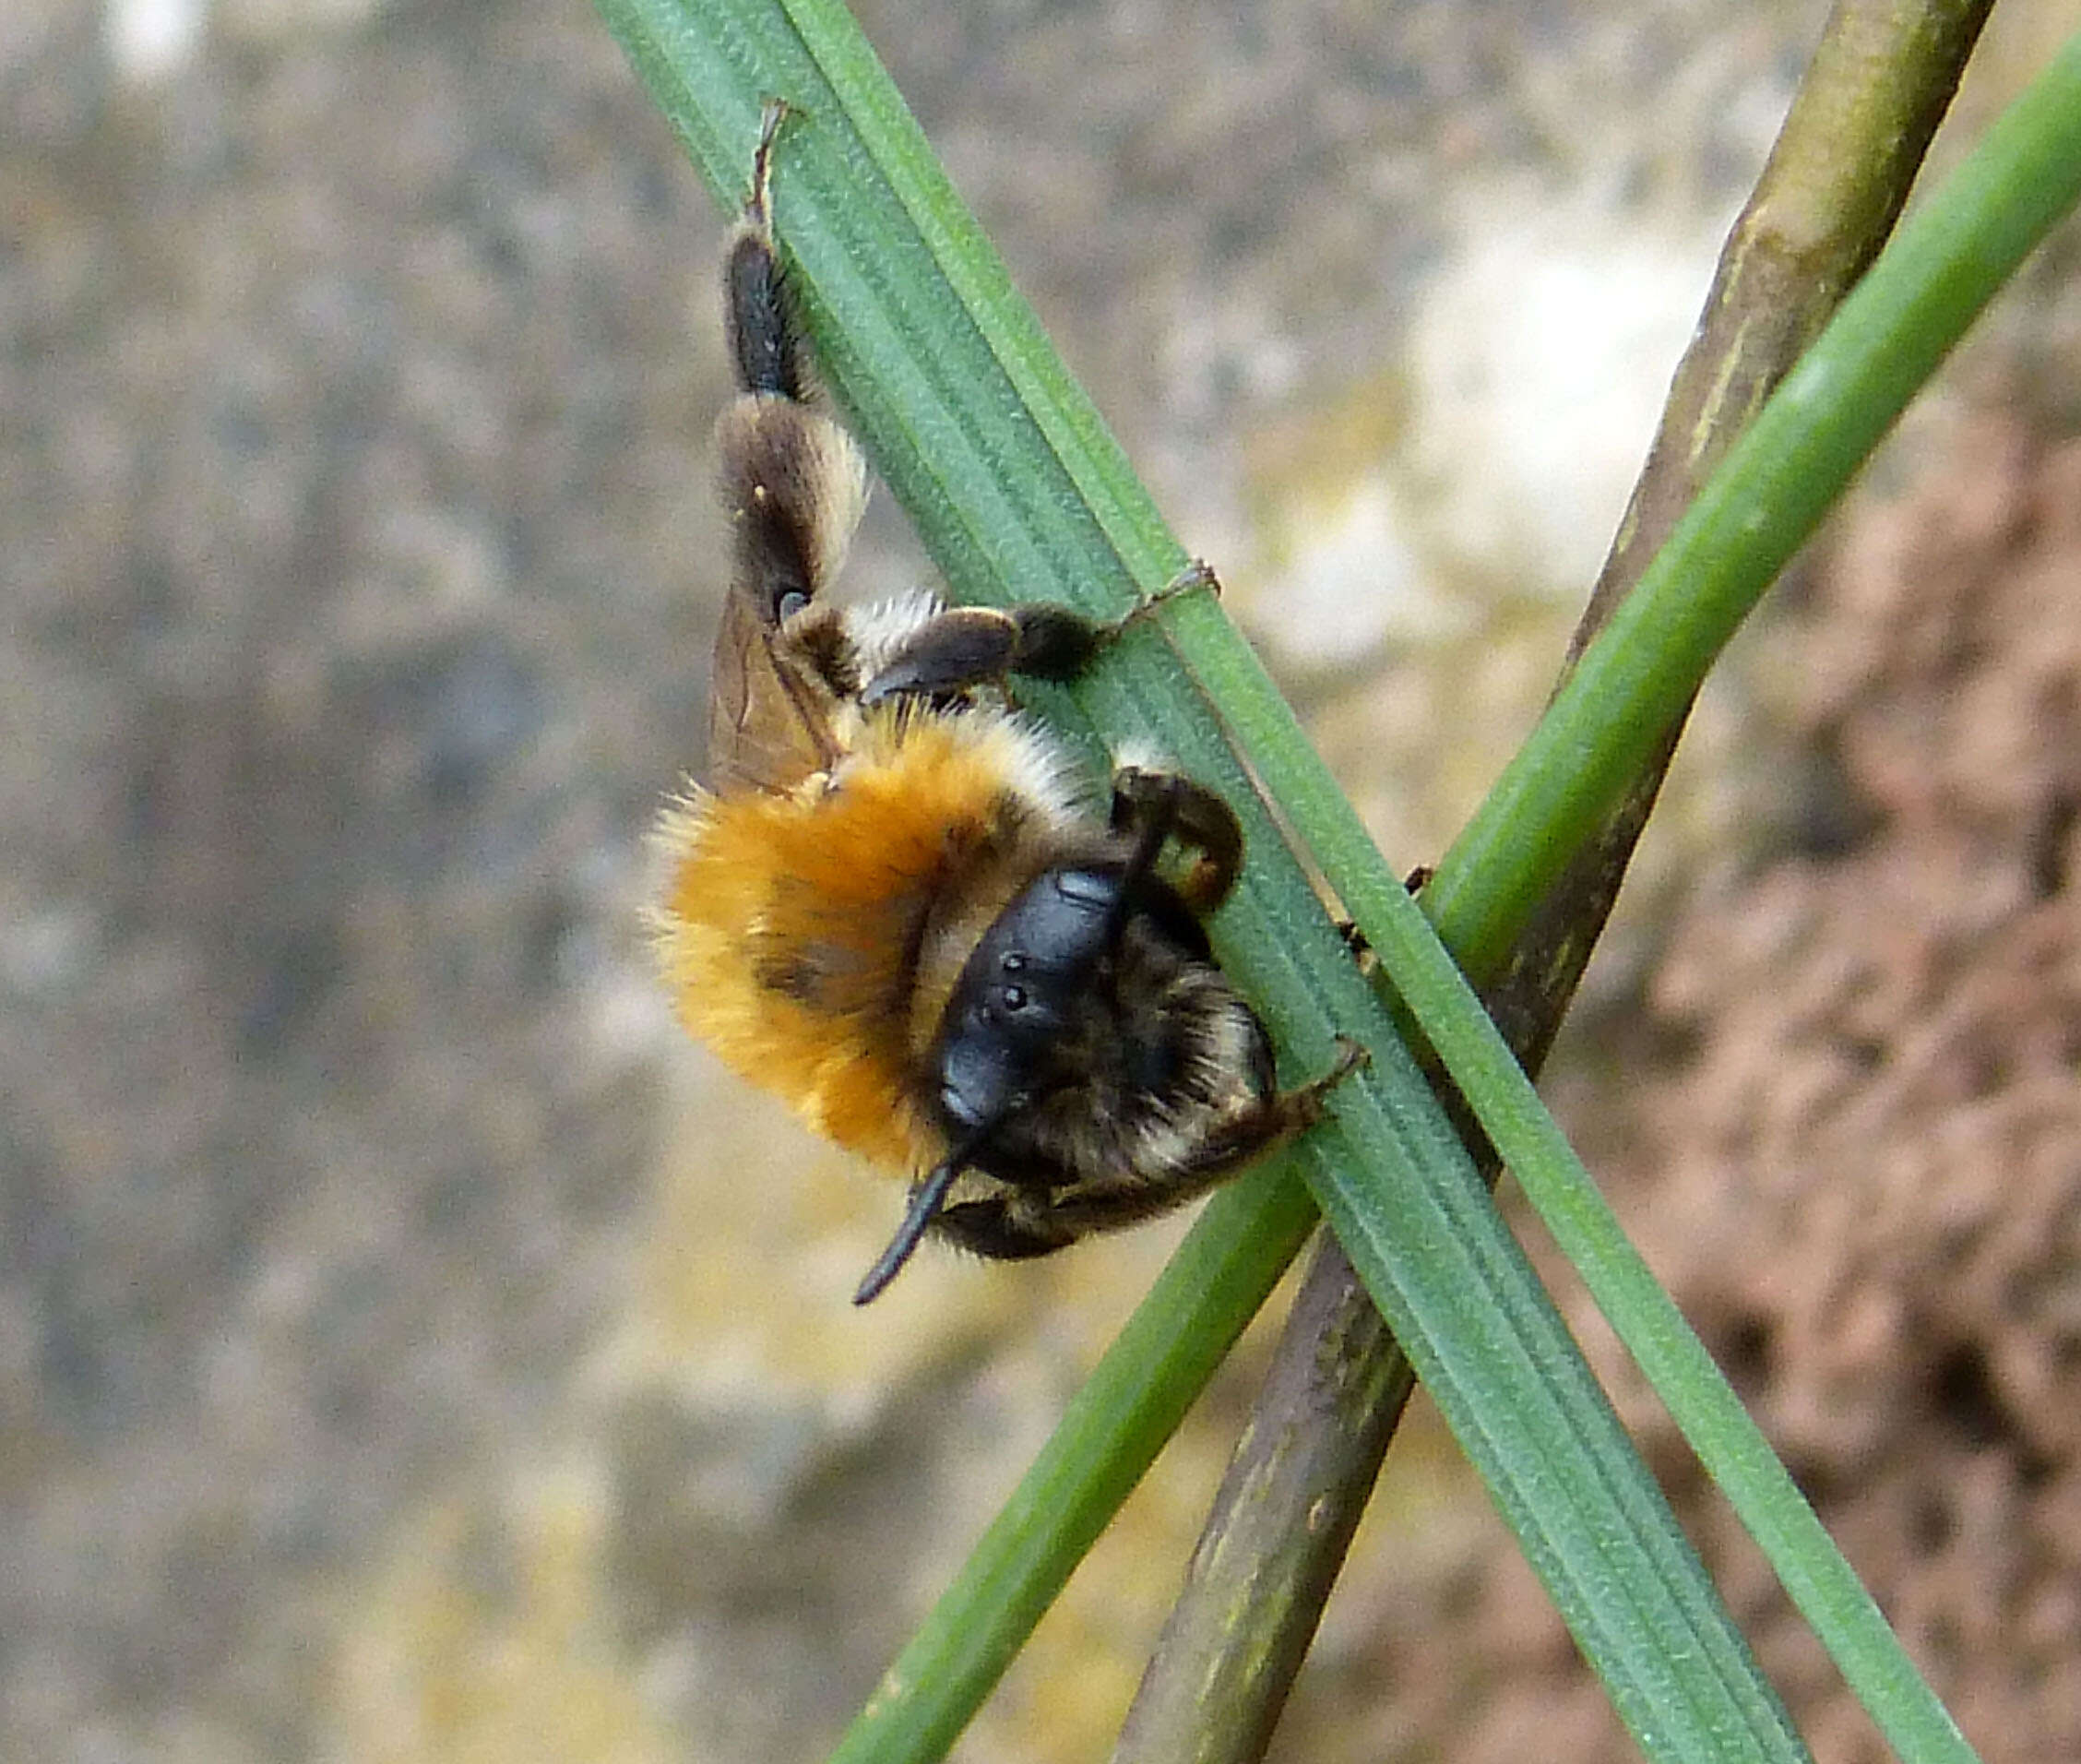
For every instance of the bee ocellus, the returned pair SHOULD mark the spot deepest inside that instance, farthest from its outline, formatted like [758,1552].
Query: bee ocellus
[899,906]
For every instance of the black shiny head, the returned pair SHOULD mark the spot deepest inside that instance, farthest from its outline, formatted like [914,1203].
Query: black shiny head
[1023,989]
[1093,1067]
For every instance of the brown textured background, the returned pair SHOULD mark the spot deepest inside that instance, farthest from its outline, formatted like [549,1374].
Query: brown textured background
[410,1350]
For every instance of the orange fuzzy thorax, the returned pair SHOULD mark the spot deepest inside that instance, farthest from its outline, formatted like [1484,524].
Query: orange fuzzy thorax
[792,924]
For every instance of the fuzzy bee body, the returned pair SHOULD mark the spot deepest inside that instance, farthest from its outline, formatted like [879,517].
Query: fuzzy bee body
[896,906]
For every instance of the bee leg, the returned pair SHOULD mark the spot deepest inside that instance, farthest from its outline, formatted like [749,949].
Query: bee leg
[1360,947]
[973,646]
[1196,577]
[1058,644]
[1022,1223]
[790,478]
[1011,1227]
[1281,1117]
[960,649]
[766,342]
[1025,1222]
[966,647]
[1156,805]
[758,198]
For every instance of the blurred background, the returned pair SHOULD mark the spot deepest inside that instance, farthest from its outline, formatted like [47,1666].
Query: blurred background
[411,1349]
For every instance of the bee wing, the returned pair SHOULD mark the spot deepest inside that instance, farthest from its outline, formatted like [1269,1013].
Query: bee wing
[770,724]
[793,483]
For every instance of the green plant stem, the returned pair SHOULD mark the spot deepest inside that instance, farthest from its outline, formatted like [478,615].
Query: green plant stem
[1115,1424]
[1836,180]
[1276,1537]
[1783,474]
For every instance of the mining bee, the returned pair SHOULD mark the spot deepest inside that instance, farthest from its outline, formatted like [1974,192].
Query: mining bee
[897,904]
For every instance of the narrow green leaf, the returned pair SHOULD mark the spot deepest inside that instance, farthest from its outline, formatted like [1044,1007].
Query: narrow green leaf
[1112,1429]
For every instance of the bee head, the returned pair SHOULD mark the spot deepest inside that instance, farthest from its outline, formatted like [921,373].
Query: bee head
[1025,987]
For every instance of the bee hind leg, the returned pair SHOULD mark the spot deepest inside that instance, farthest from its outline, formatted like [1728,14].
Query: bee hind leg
[766,347]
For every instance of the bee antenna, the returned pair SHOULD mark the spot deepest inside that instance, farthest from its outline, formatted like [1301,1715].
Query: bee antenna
[926,1199]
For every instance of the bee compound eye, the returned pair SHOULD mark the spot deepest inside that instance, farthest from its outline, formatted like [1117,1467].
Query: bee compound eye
[787,603]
